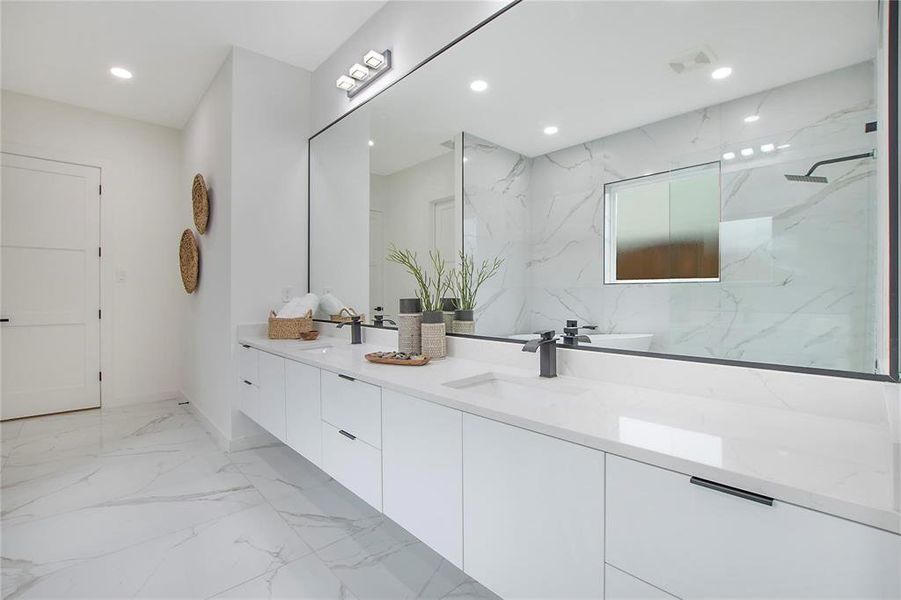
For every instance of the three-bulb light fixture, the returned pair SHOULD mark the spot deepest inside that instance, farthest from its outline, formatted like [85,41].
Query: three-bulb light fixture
[361,75]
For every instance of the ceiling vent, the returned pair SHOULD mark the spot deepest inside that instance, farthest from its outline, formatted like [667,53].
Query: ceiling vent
[690,60]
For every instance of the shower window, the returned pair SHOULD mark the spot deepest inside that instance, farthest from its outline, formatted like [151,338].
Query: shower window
[664,227]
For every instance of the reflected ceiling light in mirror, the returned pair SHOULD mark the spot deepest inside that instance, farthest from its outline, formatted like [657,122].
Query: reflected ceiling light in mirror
[345,83]
[721,73]
[752,118]
[550,130]
[374,59]
[359,72]
[767,147]
[120,72]
[783,146]
[747,151]
[465,159]
[371,143]
[478,85]
[728,155]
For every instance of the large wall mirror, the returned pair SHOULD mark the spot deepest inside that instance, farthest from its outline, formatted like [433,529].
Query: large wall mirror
[700,179]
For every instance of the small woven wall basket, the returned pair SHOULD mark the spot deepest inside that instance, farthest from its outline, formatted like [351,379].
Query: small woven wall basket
[289,329]
[189,260]
[201,203]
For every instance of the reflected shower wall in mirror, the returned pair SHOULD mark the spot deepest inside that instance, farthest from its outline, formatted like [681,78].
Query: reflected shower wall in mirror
[797,282]
[674,211]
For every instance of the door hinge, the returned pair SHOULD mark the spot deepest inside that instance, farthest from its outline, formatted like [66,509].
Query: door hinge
[99,251]
[100,375]
[99,190]
[99,314]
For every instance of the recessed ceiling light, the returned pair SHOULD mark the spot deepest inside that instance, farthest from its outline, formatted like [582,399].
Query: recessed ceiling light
[465,159]
[728,155]
[120,73]
[783,146]
[371,143]
[752,118]
[747,151]
[478,85]
[767,147]
[721,73]
[551,129]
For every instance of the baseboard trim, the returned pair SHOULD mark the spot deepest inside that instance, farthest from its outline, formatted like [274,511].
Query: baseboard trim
[214,432]
[142,398]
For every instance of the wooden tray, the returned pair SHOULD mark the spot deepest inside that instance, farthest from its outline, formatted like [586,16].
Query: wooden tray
[371,357]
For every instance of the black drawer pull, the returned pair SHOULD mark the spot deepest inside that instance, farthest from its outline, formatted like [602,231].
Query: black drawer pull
[349,436]
[347,377]
[4,320]
[732,491]
[247,382]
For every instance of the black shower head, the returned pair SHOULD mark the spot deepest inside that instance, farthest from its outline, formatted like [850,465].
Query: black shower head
[809,177]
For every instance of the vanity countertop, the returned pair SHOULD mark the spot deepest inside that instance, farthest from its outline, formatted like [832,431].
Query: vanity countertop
[841,467]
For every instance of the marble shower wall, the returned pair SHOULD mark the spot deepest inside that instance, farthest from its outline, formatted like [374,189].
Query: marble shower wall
[798,260]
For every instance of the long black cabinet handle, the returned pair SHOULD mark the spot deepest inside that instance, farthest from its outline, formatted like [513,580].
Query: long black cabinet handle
[732,491]
[247,382]
[347,377]
[4,320]
[349,436]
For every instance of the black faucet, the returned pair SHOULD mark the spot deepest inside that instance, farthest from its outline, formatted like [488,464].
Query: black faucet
[356,329]
[548,344]
[379,320]
[571,335]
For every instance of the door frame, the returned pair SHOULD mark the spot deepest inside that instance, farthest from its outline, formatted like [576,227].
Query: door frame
[107,273]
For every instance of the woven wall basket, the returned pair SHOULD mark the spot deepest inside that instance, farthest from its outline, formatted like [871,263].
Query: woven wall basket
[189,260]
[201,203]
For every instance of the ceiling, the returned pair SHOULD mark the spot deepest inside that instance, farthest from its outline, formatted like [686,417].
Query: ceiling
[64,50]
[597,68]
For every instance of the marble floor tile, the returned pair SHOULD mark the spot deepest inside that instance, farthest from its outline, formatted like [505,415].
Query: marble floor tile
[140,502]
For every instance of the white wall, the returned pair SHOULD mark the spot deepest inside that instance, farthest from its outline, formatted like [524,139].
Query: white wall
[270,127]
[145,206]
[207,335]
[412,30]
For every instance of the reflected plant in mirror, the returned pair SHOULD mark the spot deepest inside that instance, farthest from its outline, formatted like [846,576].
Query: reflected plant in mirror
[430,289]
[466,283]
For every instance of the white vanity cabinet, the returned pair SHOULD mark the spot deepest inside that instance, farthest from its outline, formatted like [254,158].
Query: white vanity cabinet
[352,435]
[272,394]
[422,471]
[303,411]
[533,513]
[698,542]
[248,381]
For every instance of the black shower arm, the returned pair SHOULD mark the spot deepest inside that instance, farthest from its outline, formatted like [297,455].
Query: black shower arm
[837,160]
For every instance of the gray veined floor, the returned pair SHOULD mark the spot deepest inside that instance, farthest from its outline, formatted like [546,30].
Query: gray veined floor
[139,502]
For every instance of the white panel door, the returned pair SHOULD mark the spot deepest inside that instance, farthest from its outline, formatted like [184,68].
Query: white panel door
[50,297]
[303,411]
[533,513]
[422,471]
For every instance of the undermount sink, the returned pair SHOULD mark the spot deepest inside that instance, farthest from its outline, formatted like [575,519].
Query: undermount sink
[509,387]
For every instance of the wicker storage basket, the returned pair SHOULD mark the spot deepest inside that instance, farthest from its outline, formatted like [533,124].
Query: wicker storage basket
[289,329]
[346,315]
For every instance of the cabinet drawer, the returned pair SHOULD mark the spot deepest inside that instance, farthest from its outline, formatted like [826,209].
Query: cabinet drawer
[353,406]
[247,364]
[353,463]
[250,400]
[697,542]
[622,586]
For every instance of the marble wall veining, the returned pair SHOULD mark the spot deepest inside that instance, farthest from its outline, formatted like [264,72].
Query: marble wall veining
[799,262]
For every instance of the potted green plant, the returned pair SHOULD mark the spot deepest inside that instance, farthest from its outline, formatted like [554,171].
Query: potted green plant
[431,289]
[467,279]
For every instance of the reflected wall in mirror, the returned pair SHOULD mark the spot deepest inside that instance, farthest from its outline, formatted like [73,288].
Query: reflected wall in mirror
[649,199]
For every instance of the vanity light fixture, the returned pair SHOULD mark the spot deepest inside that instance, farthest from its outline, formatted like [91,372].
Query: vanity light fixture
[374,65]
[551,130]
[747,151]
[767,147]
[728,155]
[359,72]
[752,118]
[120,72]
[374,59]
[721,73]
[478,85]
[346,83]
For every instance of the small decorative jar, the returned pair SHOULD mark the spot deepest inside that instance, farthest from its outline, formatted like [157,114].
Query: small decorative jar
[434,341]
[464,322]
[409,326]
[448,306]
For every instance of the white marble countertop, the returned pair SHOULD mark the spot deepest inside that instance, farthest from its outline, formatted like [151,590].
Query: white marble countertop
[840,467]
